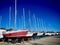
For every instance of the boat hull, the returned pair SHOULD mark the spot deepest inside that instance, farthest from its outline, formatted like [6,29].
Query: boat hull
[15,34]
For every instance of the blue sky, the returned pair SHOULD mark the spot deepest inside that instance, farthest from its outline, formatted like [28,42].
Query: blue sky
[48,11]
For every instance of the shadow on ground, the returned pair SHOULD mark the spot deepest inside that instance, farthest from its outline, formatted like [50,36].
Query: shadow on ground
[36,44]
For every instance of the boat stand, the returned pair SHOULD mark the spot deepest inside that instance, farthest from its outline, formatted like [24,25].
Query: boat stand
[22,41]
[6,42]
[15,42]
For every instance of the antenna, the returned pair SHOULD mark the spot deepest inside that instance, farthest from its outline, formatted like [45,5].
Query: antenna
[23,18]
[9,16]
[15,14]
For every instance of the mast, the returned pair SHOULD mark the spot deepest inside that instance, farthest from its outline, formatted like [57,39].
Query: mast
[0,20]
[40,25]
[37,24]
[15,14]
[9,16]
[19,23]
[22,22]
[44,26]
[29,22]
[24,26]
[35,28]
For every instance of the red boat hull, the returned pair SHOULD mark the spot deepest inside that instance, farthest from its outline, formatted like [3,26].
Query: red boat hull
[16,34]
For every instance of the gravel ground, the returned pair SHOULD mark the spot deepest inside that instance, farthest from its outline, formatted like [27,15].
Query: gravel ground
[50,40]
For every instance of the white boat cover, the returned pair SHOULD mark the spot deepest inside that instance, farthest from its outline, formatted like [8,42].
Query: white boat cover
[1,33]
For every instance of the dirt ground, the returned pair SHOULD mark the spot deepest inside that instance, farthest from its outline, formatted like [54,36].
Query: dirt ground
[50,40]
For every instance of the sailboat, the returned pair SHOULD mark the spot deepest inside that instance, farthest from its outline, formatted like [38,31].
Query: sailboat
[1,29]
[38,24]
[30,33]
[1,34]
[15,33]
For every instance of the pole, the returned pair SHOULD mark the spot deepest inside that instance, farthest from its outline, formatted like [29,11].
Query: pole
[15,14]
[37,24]
[0,20]
[40,25]
[9,16]
[35,28]
[29,21]
[24,19]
